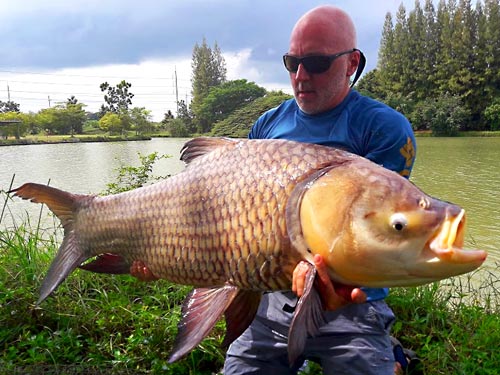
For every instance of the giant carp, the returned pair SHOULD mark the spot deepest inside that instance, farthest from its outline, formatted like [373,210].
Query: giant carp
[240,217]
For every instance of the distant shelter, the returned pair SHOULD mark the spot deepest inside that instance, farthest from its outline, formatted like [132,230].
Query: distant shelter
[10,122]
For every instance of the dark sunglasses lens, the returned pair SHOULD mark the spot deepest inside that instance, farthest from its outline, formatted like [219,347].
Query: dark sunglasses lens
[316,64]
[313,64]
[291,63]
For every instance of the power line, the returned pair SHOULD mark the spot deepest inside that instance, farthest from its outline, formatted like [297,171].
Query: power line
[82,84]
[84,75]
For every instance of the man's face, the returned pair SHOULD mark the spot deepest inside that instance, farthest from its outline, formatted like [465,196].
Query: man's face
[316,93]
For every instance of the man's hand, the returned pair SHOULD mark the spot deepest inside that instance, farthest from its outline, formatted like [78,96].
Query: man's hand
[141,271]
[332,296]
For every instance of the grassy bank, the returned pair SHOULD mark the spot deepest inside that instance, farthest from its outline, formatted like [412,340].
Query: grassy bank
[37,140]
[94,323]
[102,324]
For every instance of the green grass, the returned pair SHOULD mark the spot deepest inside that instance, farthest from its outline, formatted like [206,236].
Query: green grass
[88,137]
[453,325]
[98,323]
[107,324]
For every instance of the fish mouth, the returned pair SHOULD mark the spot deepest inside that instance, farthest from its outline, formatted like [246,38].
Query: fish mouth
[447,242]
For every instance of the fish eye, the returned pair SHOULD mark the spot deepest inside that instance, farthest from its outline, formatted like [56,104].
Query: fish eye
[399,222]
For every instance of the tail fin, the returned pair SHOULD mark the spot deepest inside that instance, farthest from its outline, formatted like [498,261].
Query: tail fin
[67,259]
[70,255]
[61,203]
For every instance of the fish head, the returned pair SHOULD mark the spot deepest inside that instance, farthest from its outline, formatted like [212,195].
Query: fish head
[374,228]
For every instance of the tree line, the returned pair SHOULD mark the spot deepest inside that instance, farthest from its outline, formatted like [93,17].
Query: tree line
[70,117]
[441,66]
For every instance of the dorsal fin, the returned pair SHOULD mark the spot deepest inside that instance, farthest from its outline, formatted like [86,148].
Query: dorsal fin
[201,146]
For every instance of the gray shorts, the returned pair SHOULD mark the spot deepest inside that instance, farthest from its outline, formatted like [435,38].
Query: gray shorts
[354,341]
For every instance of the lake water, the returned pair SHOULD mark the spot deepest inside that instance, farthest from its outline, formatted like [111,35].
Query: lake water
[460,170]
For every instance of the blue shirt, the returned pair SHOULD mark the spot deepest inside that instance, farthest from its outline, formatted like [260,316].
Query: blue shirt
[359,125]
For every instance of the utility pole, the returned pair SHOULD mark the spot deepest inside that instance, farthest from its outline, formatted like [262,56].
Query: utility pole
[48,96]
[8,93]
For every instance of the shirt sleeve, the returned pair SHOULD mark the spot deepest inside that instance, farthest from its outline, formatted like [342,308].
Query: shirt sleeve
[253,134]
[391,143]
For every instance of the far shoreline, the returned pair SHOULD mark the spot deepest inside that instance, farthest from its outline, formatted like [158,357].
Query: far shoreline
[56,139]
[68,139]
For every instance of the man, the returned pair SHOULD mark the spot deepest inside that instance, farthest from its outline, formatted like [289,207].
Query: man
[321,60]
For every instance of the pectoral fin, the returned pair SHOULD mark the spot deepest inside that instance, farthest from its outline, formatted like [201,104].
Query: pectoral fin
[201,309]
[308,318]
[240,314]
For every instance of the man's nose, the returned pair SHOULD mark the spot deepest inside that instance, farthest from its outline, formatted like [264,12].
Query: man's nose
[302,74]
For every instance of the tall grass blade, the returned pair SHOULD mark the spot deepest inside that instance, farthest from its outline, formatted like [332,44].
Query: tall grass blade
[7,198]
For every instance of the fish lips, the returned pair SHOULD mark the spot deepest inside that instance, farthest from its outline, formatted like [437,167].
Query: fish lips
[443,255]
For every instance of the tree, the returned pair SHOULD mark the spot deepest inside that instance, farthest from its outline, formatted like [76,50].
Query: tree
[414,73]
[447,56]
[186,116]
[74,116]
[208,70]
[177,128]
[446,66]
[401,59]
[72,100]
[140,119]
[492,30]
[448,115]
[222,100]
[8,106]
[371,85]
[239,122]
[427,79]
[111,122]
[167,118]
[117,98]
[388,70]
[492,115]
[62,118]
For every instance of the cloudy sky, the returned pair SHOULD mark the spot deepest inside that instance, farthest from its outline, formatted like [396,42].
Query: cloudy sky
[54,49]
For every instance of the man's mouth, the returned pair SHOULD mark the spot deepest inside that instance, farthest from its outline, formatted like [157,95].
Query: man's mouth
[305,93]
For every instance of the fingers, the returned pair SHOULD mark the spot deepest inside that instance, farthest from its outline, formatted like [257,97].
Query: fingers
[299,278]
[332,300]
[332,295]
[358,296]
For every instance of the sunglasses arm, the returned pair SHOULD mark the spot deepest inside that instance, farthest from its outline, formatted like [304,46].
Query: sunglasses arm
[361,66]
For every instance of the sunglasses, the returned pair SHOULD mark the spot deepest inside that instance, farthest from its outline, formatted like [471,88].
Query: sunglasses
[313,64]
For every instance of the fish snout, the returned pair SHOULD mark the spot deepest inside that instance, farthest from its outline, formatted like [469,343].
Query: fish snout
[448,241]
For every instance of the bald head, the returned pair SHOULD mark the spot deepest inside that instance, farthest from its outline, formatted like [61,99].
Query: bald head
[330,24]
[323,31]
